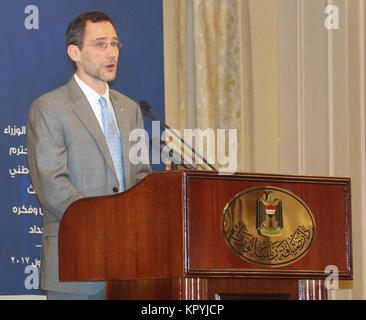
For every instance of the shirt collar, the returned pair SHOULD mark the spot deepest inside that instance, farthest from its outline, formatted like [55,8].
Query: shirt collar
[91,95]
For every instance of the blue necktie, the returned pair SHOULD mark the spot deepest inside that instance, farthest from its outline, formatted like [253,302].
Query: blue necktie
[113,141]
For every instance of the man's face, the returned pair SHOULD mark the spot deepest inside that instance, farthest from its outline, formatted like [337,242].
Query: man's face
[95,64]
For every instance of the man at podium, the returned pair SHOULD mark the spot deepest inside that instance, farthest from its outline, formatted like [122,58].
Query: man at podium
[77,140]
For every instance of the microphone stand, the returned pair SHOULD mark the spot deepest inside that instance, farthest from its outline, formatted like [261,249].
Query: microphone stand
[146,106]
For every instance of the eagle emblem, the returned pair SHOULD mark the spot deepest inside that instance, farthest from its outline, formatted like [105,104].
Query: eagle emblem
[269,215]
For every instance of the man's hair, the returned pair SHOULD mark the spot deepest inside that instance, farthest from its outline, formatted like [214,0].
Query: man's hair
[76,29]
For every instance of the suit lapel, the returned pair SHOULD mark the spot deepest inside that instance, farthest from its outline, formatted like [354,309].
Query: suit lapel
[86,115]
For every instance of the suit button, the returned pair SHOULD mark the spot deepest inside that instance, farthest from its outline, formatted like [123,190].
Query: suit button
[115,189]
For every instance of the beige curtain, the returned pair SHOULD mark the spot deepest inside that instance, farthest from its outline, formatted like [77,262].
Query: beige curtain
[321,114]
[204,89]
[220,74]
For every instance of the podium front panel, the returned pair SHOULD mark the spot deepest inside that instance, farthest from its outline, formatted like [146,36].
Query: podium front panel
[208,253]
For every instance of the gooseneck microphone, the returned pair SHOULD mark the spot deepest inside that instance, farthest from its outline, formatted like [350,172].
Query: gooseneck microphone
[148,109]
[160,148]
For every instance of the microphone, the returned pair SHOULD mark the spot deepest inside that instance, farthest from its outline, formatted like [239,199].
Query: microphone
[147,108]
[161,148]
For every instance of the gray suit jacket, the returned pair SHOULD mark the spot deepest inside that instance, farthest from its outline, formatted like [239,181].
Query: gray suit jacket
[69,159]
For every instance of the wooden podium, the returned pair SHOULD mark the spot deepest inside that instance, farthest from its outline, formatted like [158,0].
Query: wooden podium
[163,239]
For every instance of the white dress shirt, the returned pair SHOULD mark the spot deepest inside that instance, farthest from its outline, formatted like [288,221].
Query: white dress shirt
[93,98]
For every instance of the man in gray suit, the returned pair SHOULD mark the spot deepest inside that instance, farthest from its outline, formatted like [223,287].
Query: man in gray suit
[70,153]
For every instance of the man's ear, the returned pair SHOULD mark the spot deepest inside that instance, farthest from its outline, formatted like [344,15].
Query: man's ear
[74,52]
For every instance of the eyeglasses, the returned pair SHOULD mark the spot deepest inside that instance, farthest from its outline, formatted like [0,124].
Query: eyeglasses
[102,45]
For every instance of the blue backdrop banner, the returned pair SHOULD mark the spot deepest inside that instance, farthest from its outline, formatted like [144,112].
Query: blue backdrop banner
[34,61]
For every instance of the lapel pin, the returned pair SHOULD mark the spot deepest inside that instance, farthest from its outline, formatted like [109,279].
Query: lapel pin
[122,109]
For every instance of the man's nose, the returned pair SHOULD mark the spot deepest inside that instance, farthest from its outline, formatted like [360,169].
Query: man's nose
[111,51]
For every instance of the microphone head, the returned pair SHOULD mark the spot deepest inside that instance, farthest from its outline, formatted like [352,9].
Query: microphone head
[145,105]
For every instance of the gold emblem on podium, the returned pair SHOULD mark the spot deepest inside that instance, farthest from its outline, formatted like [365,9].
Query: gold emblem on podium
[269,215]
[268,226]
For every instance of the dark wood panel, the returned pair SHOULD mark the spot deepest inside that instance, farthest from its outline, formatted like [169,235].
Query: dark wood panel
[136,234]
[157,289]
[203,289]
[249,289]
[328,199]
